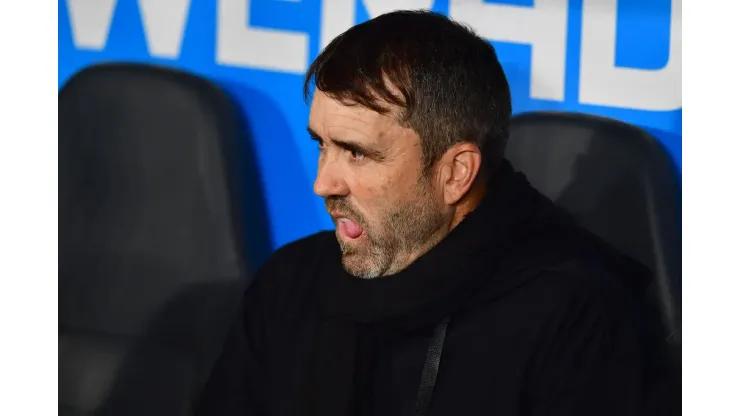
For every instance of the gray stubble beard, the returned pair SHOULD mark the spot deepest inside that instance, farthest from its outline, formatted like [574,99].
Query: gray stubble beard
[417,228]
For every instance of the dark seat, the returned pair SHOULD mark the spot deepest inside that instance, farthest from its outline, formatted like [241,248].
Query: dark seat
[620,183]
[152,263]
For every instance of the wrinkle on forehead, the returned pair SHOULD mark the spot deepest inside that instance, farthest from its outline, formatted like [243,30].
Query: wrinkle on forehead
[331,118]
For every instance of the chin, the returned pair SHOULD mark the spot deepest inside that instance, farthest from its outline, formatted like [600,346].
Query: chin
[360,273]
[357,266]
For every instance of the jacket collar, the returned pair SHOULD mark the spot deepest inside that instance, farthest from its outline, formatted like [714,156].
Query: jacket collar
[446,277]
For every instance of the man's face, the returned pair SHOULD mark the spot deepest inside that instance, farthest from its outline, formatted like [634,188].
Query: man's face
[370,175]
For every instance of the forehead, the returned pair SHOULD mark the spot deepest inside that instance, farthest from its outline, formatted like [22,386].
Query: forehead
[329,118]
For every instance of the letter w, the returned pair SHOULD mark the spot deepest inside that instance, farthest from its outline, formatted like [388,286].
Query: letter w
[163,21]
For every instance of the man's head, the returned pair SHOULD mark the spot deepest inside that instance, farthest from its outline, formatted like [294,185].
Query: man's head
[410,111]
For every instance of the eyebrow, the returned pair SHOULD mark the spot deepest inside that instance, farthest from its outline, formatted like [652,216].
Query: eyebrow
[349,145]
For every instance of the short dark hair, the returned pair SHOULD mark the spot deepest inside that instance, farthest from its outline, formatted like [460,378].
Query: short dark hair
[452,86]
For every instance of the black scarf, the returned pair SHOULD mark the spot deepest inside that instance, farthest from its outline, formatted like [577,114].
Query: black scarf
[440,283]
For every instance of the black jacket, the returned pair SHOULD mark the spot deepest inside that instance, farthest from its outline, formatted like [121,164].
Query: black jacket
[544,319]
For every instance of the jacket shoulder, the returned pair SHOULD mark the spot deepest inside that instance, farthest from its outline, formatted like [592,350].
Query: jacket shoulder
[305,248]
[292,263]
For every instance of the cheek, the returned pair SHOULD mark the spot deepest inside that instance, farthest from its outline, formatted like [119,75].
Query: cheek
[373,195]
[368,194]
[386,197]
[378,191]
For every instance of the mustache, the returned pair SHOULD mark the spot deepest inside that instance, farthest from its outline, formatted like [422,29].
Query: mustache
[343,206]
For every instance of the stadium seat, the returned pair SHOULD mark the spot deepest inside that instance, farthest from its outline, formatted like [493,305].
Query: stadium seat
[618,182]
[152,259]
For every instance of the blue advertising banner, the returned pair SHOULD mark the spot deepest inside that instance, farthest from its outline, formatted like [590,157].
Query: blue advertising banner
[615,58]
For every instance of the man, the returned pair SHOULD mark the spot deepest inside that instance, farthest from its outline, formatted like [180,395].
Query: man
[450,285]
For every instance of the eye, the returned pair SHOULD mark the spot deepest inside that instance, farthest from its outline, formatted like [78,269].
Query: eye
[321,145]
[357,155]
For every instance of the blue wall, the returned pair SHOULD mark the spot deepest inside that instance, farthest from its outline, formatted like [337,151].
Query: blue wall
[613,58]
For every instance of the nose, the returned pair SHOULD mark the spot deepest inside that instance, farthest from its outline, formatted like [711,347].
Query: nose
[329,180]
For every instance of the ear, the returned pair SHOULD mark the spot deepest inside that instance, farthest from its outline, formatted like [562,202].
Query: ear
[459,167]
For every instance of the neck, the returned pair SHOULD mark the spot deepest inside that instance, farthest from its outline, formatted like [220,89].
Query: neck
[405,258]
